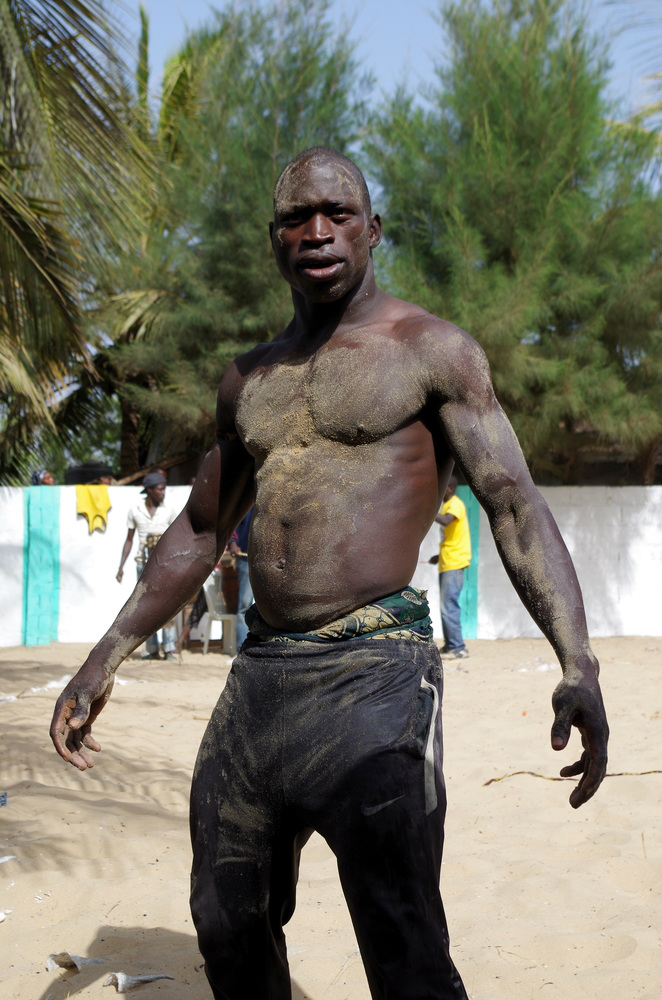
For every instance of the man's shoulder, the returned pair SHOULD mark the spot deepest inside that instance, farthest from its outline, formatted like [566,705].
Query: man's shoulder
[450,358]
[137,509]
[455,506]
[424,329]
[243,365]
[231,385]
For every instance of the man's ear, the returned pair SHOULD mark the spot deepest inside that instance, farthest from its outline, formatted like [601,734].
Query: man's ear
[375,232]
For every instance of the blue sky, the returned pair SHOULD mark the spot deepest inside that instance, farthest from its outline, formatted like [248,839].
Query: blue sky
[399,39]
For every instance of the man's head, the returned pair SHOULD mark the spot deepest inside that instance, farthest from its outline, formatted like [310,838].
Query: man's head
[42,478]
[450,489]
[323,230]
[154,485]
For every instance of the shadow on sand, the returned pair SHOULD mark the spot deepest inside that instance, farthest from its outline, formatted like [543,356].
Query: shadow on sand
[140,951]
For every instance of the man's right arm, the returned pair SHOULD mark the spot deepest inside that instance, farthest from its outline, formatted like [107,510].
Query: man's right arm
[125,553]
[180,563]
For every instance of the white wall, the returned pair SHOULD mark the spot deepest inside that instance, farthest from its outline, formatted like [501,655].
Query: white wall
[90,596]
[614,535]
[11,566]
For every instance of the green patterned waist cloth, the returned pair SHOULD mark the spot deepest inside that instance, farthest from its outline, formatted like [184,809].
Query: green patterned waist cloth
[405,615]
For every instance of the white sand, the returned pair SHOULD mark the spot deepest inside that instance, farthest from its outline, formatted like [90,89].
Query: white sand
[543,902]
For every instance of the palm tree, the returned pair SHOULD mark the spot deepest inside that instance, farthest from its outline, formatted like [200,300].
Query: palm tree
[72,166]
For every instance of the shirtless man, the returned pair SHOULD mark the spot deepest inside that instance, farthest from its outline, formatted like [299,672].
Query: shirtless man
[343,431]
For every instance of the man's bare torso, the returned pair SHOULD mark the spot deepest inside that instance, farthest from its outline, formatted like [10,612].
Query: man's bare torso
[348,477]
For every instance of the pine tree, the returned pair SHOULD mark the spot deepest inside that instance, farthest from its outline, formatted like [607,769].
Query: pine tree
[250,91]
[513,209]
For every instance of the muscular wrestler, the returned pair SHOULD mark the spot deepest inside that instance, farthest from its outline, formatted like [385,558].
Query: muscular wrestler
[343,432]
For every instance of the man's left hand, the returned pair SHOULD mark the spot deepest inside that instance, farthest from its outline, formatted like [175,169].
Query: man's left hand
[577,701]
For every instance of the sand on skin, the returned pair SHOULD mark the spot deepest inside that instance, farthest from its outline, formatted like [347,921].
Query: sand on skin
[542,901]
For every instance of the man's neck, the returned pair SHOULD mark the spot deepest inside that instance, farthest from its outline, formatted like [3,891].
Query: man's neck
[315,322]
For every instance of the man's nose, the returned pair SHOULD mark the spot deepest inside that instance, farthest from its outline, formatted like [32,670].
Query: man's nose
[318,229]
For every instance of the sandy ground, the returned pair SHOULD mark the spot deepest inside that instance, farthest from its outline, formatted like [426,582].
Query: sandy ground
[543,902]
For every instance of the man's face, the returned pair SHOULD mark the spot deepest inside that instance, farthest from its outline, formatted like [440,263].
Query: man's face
[156,494]
[322,232]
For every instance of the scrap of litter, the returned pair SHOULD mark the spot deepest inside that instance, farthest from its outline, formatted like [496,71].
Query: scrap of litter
[534,774]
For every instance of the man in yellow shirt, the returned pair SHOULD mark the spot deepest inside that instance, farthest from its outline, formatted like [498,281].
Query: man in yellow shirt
[454,557]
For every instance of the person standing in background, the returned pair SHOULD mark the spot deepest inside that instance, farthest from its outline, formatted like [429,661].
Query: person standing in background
[42,478]
[238,546]
[454,557]
[151,517]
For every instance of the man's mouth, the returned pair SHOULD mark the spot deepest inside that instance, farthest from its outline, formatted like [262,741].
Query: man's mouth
[319,268]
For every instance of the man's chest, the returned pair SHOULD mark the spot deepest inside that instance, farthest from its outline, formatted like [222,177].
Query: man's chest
[151,521]
[354,393]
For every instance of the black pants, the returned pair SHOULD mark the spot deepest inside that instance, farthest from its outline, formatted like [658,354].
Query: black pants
[346,740]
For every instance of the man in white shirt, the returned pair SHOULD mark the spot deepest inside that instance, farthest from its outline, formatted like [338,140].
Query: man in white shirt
[150,517]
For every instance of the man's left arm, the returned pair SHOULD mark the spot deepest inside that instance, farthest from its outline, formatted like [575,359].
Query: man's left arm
[531,549]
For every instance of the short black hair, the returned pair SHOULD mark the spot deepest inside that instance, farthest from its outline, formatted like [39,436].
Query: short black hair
[326,152]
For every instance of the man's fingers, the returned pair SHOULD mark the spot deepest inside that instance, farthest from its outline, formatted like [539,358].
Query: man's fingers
[91,743]
[80,714]
[69,717]
[594,772]
[561,729]
[78,754]
[572,769]
[592,766]
[85,757]
[79,760]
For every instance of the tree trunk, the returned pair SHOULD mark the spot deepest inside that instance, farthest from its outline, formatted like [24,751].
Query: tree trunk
[650,459]
[129,450]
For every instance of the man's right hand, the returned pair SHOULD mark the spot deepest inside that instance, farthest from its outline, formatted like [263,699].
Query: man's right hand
[120,575]
[76,709]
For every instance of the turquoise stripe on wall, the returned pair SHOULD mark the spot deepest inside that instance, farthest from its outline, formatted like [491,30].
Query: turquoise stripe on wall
[41,565]
[469,594]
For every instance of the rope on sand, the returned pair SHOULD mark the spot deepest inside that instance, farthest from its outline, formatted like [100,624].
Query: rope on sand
[534,774]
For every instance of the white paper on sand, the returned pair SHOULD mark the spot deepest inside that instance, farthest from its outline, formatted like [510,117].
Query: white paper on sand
[538,666]
[67,960]
[125,983]
[54,685]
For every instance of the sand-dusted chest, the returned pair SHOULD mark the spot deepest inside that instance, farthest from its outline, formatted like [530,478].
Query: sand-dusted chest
[361,388]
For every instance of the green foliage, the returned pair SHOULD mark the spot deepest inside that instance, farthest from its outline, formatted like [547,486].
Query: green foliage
[514,210]
[514,205]
[88,431]
[69,160]
[240,99]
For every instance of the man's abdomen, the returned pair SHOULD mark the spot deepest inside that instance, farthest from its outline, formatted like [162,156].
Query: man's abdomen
[338,526]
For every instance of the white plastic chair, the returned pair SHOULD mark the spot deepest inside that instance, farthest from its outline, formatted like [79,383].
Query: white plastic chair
[218,612]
